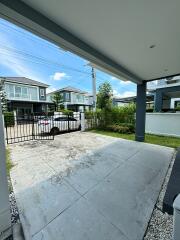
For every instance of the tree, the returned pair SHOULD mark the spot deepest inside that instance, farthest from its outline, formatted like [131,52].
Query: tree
[3,97]
[57,100]
[104,96]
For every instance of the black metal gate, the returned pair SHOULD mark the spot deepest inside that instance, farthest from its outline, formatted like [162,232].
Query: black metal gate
[39,127]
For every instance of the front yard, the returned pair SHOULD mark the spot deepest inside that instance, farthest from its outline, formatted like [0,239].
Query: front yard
[173,142]
[103,187]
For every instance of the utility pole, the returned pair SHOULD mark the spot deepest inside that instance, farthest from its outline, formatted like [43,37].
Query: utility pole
[94,88]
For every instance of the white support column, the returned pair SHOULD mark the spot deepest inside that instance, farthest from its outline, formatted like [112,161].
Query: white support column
[82,122]
[15,117]
[5,217]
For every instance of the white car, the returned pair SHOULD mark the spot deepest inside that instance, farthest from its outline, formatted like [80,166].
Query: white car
[55,125]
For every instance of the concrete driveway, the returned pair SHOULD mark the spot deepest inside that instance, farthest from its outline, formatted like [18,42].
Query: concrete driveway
[84,186]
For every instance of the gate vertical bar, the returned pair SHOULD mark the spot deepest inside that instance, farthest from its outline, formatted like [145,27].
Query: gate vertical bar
[5,217]
[33,137]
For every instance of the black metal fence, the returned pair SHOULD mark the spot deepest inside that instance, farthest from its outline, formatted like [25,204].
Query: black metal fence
[39,127]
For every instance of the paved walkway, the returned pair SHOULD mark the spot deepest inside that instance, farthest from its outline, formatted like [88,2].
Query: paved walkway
[84,186]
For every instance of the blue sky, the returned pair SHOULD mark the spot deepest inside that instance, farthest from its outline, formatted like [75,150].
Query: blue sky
[24,54]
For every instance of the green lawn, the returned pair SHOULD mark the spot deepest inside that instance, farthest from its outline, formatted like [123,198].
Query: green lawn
[150,138]
[9,164]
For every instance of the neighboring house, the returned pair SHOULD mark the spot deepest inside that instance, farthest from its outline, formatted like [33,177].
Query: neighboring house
[25,95]
[162,95]
[73,99]
[166,93]
[126,100]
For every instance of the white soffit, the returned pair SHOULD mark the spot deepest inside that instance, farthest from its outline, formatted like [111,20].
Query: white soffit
[142,36]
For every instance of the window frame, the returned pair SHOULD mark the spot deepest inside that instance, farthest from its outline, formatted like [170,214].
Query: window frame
[42,90]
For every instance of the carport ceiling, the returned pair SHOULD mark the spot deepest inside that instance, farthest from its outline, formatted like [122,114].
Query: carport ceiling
[133,39]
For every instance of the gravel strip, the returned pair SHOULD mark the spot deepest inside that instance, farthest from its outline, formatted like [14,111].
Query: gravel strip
[160,226]
[13,209]
[13,205]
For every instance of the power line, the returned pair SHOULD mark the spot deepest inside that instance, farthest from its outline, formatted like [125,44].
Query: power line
[38,40]
[49,65]
[40,59]
[28,35]
[79,82]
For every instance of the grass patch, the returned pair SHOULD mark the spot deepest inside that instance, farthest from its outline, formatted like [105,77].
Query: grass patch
[173,142]
[9,164]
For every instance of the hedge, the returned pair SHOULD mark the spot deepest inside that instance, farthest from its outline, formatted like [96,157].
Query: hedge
[120,119]
[9,119]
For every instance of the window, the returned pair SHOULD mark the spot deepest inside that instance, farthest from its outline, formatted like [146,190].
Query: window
[80,98]
[67,96]
[17,91]
[24,92]
[21,92]
[10,91]
[42,94]
[33,93]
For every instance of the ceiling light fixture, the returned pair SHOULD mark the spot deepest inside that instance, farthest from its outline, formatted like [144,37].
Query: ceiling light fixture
[152,46]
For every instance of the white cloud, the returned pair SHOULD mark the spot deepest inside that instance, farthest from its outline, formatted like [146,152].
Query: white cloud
[124,94]
[59,76]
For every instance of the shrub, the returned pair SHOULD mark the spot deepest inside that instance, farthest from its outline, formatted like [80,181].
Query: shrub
[123,117]
[9,119]
[177,108]
[119,128]
[124,114]
[67,112]
[131,126]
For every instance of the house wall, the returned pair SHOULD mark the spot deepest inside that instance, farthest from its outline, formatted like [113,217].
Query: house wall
[167,124]
[21,92]
[77,98]
[73,98]
[25,99]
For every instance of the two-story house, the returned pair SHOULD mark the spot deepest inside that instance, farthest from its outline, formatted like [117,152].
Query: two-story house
[73,99]
[25,95]
[166,93]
